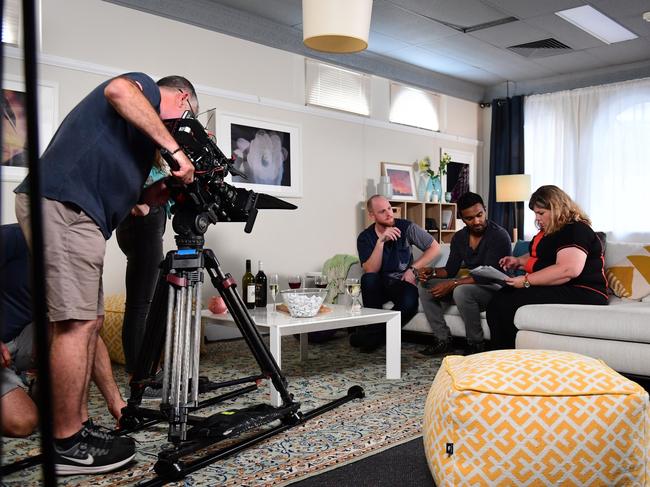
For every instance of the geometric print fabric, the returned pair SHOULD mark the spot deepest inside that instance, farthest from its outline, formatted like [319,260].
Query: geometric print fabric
[630,278]
[111,330]
[526,435]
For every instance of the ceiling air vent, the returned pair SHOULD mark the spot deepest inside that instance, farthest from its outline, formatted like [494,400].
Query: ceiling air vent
[543,48]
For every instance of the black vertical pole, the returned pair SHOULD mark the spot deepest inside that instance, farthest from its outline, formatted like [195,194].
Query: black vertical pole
[38,258]
[2,323]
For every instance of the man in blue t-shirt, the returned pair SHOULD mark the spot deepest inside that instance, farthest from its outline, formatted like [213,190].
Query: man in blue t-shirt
[389,269]
[92,174]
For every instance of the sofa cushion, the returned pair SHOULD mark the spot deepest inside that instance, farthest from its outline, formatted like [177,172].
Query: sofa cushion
[630,276]
[625,321]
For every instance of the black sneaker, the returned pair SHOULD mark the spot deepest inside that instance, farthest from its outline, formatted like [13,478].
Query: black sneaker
[92,454]
[437,348]
[107,434]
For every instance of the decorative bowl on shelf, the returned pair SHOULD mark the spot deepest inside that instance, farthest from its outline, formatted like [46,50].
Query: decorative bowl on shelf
[303,302]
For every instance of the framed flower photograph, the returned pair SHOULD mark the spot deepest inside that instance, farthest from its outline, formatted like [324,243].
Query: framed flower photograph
[268,152]
[13,166]
[401,179]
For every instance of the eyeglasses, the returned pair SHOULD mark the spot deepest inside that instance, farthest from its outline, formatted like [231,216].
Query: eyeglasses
[189,105]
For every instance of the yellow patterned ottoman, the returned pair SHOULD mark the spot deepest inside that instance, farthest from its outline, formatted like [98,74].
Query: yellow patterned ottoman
[111,331]
[535,417]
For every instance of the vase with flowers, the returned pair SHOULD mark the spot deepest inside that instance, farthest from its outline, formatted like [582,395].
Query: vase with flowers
[430,179]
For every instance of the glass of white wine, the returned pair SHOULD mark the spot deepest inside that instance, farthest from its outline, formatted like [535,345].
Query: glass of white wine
[273,288]
[353,288]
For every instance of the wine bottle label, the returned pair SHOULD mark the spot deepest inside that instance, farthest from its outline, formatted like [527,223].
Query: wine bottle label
[250,293]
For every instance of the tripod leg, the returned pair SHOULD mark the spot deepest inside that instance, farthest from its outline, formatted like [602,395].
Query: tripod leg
[168,343]
[227,288]
[197,338]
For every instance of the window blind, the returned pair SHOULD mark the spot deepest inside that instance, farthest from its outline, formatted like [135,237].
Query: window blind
[333,87]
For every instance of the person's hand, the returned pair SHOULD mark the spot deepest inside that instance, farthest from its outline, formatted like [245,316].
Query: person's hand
[5,356]
[409,276]
[140,210]
[516,282]
[509,263]
[424,274]
[391,233]
[442,289]
[186,170]
[155,195]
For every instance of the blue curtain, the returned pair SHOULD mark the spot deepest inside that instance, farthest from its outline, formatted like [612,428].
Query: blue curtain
[506,157]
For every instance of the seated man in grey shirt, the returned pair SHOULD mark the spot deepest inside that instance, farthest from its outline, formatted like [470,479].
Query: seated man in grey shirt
[481,242]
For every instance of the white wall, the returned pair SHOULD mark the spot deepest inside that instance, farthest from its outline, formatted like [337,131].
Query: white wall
[87,41]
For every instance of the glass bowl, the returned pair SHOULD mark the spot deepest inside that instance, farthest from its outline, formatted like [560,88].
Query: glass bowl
[304,302]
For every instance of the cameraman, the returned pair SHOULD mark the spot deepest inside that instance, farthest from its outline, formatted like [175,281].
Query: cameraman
[92,175]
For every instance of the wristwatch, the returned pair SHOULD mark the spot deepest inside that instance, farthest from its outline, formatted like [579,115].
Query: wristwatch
[414,269]
[526,282]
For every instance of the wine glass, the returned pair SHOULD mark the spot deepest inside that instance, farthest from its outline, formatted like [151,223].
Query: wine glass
[273,287]
[320,281]
[295,281]
[353,288]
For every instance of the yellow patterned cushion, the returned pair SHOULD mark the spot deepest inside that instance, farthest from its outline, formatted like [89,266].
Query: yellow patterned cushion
[111,332]
[630,278]
[535,417]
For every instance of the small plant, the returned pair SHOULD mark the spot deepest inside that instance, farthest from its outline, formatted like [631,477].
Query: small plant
[424,165]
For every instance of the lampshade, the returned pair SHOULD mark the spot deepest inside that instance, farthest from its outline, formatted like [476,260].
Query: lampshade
[339,26]
[513,187]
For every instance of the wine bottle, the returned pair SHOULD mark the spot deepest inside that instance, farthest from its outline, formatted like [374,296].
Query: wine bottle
[260,287]
[248,286]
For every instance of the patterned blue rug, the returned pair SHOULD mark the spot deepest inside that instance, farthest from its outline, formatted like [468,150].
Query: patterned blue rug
[390,414]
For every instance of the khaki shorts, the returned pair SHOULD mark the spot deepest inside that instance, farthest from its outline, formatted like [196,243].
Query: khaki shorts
[74,259]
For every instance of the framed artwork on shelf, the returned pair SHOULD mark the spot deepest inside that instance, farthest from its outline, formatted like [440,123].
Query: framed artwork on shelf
[402,180]
[268,152]
[461,173]
[13,166]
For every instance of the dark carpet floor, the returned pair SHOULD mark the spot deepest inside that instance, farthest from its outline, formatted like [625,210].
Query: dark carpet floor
[404,465]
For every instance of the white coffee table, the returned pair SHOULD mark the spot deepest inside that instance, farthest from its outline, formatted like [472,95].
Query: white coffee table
[281,324]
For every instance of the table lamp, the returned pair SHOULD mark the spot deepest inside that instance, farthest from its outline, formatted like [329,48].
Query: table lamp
[338,26]
[513,188]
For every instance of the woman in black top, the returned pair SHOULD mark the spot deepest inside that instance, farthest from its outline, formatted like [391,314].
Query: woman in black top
[565,265]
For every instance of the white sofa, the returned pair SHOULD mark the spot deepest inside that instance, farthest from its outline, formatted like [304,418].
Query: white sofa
[619,333]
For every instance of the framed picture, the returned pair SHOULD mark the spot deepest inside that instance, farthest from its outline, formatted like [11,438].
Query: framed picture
[268,152]
[13,166]
[461,173]
[402,179]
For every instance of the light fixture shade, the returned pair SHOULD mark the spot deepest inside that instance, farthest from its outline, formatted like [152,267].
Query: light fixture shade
[339,26]
[513,187]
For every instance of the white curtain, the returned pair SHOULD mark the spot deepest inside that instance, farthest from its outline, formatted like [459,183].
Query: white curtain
[594,143]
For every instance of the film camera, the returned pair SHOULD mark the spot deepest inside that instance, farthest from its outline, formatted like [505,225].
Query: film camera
[209,198]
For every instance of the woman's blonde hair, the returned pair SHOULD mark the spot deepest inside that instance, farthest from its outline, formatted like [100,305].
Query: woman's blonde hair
[562,208]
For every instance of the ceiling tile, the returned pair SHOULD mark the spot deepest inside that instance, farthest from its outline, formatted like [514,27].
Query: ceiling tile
[571,62]
[526,9]
[383,44]
[623,52]
[286,12]
[427,59]
[565,32]
[621,8]
[459,12]
[511,34]
[479,76]
[410,28]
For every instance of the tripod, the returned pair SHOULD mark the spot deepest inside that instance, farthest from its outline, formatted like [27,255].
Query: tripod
[177,303]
